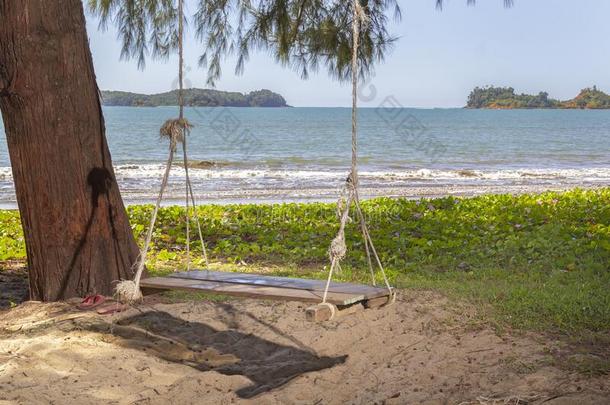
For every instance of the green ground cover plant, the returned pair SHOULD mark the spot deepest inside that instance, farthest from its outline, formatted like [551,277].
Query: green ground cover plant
[539,261]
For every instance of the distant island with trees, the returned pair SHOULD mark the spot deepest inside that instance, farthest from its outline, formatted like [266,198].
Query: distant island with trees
[195,98]
[505,98]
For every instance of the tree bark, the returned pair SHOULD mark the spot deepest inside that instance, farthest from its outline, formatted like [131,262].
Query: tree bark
[77,233]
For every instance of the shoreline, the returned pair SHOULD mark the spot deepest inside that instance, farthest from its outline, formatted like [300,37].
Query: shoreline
[281,196]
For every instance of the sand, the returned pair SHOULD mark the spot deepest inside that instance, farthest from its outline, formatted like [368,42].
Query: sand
[241,195]
[308,195]
[423,349]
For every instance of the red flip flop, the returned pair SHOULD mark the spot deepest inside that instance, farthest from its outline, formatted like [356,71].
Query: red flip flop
[112,308]
[91,301]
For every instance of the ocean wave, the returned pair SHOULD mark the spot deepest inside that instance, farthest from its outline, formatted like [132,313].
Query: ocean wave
[501,174]
[155,171]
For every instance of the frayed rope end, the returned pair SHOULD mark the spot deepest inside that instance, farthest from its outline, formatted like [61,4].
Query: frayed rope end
[128,292]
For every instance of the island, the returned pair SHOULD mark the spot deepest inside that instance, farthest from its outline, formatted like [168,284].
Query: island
[505,98]
[195,98]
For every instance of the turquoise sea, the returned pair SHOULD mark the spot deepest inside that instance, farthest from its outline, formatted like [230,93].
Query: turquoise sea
[296,154]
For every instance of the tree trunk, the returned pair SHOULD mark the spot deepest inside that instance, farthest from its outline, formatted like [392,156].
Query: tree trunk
[77,233]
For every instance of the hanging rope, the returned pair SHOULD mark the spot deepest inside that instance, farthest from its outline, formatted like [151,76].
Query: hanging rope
[181,116]
[349,194]
[173,130]
[176,131]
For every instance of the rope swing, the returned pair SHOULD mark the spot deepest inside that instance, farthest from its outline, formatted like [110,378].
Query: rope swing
[175,130]
[349,194]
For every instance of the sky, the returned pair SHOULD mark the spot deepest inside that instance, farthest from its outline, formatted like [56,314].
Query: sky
[558,46]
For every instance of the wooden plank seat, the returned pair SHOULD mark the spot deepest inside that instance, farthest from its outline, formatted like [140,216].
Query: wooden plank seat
[265,287]
[282,282]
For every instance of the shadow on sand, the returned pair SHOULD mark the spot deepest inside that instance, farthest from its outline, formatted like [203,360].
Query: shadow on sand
[267,364]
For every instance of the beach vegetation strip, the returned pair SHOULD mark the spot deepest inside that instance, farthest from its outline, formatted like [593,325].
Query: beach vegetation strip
[537,261]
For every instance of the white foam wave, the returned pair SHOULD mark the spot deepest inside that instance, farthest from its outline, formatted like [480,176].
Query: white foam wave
[148,172]
[502,174]
[156,171]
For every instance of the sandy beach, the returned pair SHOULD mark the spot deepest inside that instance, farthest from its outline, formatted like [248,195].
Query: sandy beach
[423,349]
[276,196]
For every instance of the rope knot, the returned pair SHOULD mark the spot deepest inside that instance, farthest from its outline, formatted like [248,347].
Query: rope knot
[175,129]
[128,291]
[338,249]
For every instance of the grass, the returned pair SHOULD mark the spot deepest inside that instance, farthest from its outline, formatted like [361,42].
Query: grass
[567,302]
[538,261]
